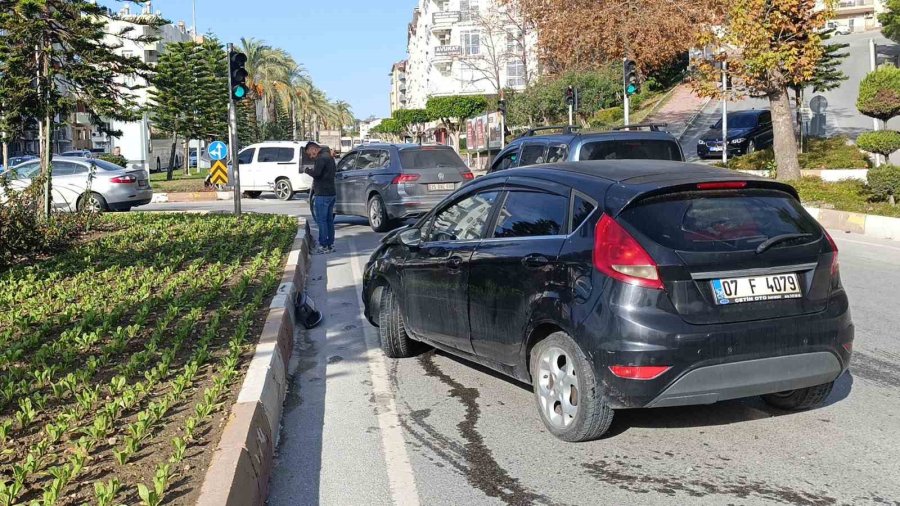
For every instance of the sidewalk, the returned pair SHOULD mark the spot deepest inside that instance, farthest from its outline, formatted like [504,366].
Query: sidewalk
[679,112]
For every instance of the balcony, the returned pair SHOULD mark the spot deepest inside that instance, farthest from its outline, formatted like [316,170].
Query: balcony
[851,7]
[443,21]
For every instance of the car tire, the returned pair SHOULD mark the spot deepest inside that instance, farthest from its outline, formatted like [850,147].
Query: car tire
[158,164]
[253,194]
[93,202]
[395,342]
[378,217]
[751,147]
[283,189]
[592,417]
[800,399]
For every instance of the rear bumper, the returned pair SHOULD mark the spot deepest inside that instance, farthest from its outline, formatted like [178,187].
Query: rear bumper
[412,206]
[714,362]
[120,200]
[128,204]
[706,385]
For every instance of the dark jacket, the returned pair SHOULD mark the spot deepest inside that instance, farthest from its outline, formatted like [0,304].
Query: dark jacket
[323,174]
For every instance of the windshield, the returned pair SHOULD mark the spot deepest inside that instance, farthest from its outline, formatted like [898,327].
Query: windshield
[644,149]
[738,121]
[721,221]
[430,158]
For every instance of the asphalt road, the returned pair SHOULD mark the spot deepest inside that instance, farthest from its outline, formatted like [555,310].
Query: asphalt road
[840,116]
[434,430]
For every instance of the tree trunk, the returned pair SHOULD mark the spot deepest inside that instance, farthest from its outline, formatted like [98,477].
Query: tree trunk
[187,157]
[785,142]
[171,166]
[5,156]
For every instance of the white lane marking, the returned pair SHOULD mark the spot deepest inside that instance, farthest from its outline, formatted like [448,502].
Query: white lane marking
[841,239]
[401,478]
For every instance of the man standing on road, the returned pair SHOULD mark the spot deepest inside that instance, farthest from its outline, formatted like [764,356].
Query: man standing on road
[324,192]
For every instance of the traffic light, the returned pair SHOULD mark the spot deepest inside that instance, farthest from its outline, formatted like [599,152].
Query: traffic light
[631,82]
[239,87]
[570,95]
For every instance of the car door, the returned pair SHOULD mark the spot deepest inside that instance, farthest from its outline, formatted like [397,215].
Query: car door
[356,181]
[272,163]
[515,272]
[435,276]
[347,164]
[767,135]
[67,184]
[247,170]
[505,160]
[533,153]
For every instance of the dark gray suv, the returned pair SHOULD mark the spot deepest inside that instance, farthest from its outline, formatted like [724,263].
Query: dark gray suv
[635,142]
[388,182]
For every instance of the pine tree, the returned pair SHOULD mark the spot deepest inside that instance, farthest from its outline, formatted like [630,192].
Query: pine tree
[189,98]
[74,61]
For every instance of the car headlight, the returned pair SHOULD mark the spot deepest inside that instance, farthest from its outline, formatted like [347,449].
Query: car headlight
[701,142]
[737,141]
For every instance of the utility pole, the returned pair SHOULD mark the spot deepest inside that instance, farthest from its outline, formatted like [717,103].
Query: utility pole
[570,99]
[873,65]
[724,112]
[233,129]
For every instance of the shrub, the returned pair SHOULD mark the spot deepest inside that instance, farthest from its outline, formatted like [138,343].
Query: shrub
[879,94]
[831,153]
[884,181]
[883,142]
[114,159]
[608,117]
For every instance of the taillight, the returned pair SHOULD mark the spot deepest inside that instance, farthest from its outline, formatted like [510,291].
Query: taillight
[639,372]
[723,185]
[405,178]
[835,265]
[468,176]
[123,179]
[618,255]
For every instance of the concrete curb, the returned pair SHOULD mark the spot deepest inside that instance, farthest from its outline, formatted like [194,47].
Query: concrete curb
[162,198]
[881,227]
[827,175]
[691,120]
[242,462]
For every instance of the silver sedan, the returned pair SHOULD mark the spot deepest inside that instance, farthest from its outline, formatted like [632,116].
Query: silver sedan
[87,183]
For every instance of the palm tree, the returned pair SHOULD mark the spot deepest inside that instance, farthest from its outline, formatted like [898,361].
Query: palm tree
[268,70]
[345,112]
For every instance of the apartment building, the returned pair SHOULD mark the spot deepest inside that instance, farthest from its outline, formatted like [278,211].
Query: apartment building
[398,86]
[460,47]
[858,15]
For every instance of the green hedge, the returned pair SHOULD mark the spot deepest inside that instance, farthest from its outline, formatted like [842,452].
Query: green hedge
[884,181]
[114,159]
[853,196]
[883,142]
[831,153]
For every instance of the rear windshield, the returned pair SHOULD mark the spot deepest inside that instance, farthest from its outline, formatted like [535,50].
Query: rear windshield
[642,149]
[430,159]
[104,165]
[721,221]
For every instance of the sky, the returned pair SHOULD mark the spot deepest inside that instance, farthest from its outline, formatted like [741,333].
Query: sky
[346,46]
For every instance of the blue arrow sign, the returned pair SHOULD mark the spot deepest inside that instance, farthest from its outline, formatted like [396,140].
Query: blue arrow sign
[217,151]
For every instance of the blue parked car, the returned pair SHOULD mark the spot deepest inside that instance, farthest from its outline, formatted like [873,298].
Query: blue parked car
[16,160]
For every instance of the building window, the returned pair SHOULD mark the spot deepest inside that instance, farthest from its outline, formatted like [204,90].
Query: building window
[468,9]
[127,53]
[513,43]
[515,74]
[471,43]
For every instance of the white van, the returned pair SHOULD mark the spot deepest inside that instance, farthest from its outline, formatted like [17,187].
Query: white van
[274,166]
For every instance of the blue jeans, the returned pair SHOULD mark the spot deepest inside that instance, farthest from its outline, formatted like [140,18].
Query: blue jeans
[324,215]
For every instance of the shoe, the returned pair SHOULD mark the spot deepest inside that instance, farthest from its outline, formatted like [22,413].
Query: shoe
[320,250]
[329,250]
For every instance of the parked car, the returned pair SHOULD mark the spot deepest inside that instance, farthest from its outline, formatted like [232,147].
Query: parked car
[274,166]
[747,132]
[387,182]
[16,160]
[621,284]
[112,188]
[571,146]
[78,153]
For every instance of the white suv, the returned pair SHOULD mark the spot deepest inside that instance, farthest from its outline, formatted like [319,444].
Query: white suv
[274,166]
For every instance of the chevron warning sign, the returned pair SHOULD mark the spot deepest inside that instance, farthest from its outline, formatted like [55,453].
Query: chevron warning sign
[218,173]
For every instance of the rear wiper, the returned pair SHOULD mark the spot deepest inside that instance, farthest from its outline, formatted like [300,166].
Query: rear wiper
[772,241]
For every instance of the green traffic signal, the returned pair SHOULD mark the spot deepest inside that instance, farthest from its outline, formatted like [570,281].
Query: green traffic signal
[239,92]
[631,90]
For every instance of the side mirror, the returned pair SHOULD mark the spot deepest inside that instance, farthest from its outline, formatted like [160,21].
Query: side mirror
[411,238]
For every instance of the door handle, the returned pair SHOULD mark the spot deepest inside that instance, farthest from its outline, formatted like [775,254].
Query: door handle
[454,263]
[535,261]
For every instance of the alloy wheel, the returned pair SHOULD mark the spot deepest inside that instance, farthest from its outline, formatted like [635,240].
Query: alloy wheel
[282,189]
[376,214]
[557,387]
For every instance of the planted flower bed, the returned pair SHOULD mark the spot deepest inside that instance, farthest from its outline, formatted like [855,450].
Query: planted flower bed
[119,358]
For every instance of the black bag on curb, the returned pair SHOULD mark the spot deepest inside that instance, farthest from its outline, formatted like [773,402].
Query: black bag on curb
[307,314]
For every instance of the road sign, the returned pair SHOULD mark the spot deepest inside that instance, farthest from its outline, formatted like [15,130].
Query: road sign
[217,151]
[818,104]
[218,174]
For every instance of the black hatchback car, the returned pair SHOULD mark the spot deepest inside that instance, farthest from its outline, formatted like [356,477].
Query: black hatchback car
[627,284]
[747,132]
[644,142]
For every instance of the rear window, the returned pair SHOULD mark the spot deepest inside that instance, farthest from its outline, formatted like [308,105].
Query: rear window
[643,149]
[104,165]
[430,159]
[531,214]
[279,155]
[721,221]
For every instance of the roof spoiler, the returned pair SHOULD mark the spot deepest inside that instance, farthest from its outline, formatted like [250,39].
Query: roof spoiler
[566,130]
[653,127]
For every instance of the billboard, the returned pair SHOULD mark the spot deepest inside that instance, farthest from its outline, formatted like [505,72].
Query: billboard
[483,132]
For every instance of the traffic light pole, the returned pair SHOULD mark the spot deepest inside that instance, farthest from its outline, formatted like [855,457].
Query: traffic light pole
[626,102]
[724,112]
[233,142]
